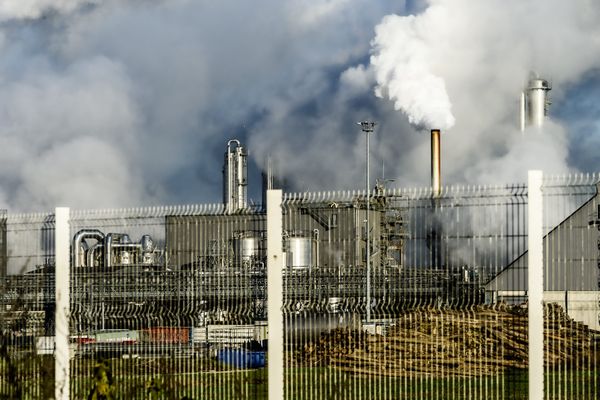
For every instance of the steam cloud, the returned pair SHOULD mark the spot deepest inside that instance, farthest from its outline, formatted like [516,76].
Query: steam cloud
[20,9]
[478,56]
[404,72]
[126,102]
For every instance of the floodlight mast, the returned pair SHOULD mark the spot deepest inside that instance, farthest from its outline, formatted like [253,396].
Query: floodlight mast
[368,127]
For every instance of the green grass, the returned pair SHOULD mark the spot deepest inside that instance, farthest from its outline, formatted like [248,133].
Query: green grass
[329,383]
[173,379]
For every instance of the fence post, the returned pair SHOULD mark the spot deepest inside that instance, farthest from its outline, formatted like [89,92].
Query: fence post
[62,313]
[535,291]
[275,265]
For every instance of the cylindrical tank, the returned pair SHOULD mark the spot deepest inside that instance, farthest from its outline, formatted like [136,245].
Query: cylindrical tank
[537,101]
[147,245]
[300,252]
[235,177]
[246,248]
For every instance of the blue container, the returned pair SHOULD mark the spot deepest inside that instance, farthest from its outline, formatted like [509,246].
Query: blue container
[241,358]
[257,359]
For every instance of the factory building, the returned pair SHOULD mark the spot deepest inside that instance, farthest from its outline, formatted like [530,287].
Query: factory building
[571,256]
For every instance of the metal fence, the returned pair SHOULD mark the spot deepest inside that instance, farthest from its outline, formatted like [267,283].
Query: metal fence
[394,295]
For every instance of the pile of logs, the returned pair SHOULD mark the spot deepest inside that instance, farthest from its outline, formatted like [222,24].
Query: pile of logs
[434,342]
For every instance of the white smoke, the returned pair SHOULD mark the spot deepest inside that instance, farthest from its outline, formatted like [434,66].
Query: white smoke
[405,73]
[129,102]
[30,9]
[69,137]
[477,57]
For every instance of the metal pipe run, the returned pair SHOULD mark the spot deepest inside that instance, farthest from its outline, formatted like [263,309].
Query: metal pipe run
[91,254]
[77,241]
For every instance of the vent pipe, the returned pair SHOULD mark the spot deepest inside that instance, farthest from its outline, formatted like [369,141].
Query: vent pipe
[235,177]
[534,102]
[436,163]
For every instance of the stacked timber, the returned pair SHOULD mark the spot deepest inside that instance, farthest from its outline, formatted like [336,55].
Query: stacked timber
[438,342]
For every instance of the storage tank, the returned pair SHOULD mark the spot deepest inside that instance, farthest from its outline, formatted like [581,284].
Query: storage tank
[537,104]
[147,247]
[247,248]
[301,252]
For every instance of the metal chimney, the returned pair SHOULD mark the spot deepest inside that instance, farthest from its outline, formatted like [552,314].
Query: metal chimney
[535,102]
[235,177]
[436,163]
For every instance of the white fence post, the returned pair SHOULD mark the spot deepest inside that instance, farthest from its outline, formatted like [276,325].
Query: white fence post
[275,265]
[62,313]
[535,292]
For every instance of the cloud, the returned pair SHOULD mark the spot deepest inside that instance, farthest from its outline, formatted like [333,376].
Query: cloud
[156,88]
[57,127]
[32,9]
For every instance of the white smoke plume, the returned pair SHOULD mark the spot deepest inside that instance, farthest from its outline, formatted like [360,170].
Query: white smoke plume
[477,57]
[404,72]
[31,9]
[125,102]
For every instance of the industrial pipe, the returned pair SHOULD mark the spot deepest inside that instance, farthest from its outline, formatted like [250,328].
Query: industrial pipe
[436,163]
[78,238]
[91,253]
[316,238]
[108,245]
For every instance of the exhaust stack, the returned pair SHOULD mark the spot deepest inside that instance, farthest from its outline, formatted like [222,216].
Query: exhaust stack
[436,163]
[235,177]
[534,102]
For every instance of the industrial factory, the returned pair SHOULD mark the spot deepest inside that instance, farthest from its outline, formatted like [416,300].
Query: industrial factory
[193,279]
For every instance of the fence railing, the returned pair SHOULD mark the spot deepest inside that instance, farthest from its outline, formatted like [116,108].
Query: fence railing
[275,302]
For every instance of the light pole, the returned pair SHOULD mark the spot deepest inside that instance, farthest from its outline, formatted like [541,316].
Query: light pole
[367,127]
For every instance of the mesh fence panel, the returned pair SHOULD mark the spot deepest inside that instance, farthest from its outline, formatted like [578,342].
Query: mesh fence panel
[430,333]
[448,294]
[27,306]
[571,287]
[170,302]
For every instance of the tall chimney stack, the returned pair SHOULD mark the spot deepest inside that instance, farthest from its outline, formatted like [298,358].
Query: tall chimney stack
[436,163]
